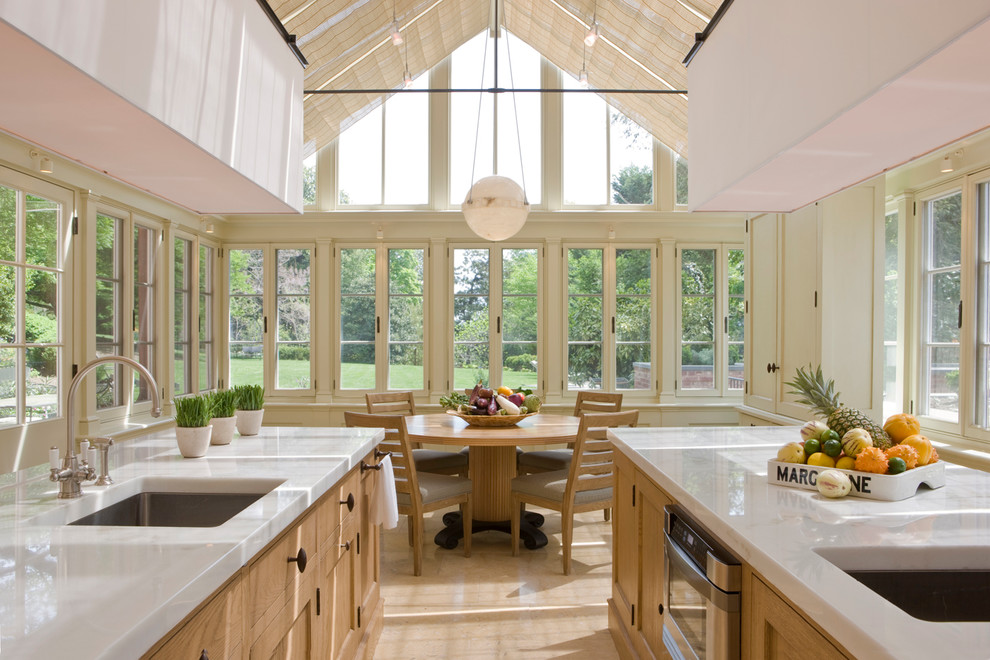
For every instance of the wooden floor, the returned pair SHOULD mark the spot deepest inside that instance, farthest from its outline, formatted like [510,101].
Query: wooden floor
[494,605]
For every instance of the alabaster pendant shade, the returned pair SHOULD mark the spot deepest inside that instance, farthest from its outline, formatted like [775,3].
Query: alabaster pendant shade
[495,208]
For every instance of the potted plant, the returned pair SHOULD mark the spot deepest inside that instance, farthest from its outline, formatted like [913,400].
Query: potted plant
[192,432]
[250,410]
[223,405]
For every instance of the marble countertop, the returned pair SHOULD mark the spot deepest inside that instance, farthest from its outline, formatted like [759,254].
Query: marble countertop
[719,476]
[112,592]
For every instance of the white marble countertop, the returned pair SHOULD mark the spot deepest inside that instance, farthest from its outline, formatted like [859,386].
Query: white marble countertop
[719,476]
[112,592]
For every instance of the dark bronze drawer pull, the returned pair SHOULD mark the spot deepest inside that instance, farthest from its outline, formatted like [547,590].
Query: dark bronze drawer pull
[382,454]
[365,466]
[300,560]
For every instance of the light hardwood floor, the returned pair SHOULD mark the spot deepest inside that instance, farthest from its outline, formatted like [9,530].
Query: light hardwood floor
[494,605]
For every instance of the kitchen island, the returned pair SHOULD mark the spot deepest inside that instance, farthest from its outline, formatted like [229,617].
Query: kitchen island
[115,592]
[783,535]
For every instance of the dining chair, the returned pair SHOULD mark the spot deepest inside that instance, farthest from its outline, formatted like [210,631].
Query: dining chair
[417,492]
[427,460]
[585,486]
[548,460]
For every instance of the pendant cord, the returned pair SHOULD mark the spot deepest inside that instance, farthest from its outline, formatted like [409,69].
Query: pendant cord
[515,113]
[477,125]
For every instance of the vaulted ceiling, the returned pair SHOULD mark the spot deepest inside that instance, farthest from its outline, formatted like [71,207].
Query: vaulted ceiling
[349,47]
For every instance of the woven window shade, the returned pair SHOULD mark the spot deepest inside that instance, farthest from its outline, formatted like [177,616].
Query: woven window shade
[348,45]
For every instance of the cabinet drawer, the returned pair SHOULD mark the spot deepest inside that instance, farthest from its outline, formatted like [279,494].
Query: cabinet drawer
[273,574]
[333,509]
[216,629]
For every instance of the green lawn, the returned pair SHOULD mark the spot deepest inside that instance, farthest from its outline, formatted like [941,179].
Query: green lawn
[362,376]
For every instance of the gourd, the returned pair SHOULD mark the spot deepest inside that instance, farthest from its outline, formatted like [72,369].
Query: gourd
[855,441]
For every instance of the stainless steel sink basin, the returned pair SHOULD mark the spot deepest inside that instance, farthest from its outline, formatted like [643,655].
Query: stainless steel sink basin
[172,510]
[163,502]
[932,583]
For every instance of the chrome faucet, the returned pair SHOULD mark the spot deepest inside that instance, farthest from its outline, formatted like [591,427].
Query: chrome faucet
[70,474]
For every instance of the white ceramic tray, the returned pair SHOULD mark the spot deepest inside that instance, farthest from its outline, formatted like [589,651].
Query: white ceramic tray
[890,487]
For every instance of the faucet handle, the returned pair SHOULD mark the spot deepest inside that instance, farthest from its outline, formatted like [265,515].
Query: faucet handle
[53,458]
[104,444]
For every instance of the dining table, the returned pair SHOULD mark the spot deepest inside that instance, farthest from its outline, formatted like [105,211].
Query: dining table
[491,467]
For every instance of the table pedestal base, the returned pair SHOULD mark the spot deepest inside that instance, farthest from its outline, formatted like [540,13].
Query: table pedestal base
[529,532]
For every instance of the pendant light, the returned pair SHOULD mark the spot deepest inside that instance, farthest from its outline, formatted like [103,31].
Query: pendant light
[496,207]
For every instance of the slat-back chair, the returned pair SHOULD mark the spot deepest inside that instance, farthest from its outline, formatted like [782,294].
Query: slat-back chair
[548,460]
[585,486]
[417,492]
[427,460]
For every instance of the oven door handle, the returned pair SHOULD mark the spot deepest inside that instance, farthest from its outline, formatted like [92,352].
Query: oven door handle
[689,570]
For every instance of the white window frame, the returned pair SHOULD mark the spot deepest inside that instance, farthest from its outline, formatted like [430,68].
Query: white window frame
[609,347]
[271,299]
[923,304]
[976,310]
[495,300]
[213,298]
[130,220]
[191,301]
[382,294]
[721,311]
[35,437]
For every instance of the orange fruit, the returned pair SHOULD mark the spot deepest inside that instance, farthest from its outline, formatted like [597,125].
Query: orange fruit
[901,426]
[922,445]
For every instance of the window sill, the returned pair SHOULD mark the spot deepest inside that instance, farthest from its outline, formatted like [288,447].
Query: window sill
[135,426]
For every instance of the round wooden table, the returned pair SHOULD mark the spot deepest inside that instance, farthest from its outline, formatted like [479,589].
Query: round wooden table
[492,466]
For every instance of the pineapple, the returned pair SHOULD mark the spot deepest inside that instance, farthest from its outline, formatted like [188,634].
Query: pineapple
[820,395]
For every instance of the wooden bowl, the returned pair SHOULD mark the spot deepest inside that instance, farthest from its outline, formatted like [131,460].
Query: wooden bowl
[491,421]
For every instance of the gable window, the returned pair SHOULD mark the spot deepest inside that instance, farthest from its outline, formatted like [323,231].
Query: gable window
[31,269]
[382,318]
[941,307]
[711,320]
[384,157]
[518,117]
[608,158]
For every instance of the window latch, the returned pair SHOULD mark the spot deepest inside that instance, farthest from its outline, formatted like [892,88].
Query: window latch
[498,324]
[613,325]
[960,315]
[726,324]
[265,330]
[378,325]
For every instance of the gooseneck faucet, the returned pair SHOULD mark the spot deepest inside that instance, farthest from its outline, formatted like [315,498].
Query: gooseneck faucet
[71,473]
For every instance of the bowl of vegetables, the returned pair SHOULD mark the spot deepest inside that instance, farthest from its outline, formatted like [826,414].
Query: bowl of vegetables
[492,407]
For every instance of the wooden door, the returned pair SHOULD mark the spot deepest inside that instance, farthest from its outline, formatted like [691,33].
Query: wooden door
[367,580]
[216,630]
[292,633]
[761,320]
[778,632]
[338,609]
[652,501]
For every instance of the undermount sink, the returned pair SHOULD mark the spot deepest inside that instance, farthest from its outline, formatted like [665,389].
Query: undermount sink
[932,583]
[164,502]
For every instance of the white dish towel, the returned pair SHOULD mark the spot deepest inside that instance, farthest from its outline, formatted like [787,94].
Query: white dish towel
[386,507]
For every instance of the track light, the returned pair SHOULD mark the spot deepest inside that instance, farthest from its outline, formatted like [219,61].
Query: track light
[43,163]
[592,36]
[950,162]
[583,77]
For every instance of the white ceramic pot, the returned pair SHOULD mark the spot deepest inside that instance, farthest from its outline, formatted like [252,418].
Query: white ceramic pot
[223,430]
[249,421]
[193,440]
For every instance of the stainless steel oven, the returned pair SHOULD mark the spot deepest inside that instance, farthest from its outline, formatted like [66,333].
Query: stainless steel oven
[701,584]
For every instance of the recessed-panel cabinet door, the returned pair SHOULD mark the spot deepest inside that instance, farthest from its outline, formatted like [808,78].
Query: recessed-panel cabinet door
[652,501]
[761,333]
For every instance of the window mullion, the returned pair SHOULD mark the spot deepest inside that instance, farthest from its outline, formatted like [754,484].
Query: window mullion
[609,284]
[382,300]
[496,325]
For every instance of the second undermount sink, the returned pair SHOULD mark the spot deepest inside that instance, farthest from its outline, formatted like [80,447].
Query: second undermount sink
[932,583]
[165,502]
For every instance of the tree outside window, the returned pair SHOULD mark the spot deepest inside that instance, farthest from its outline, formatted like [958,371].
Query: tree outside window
[292,340]
[181,321]
[247,320]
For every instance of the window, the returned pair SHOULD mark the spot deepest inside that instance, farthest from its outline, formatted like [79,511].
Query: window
[247,319]
[384,156]
[616,285]
[608,158]
[292,341]
[891,283]
[309,180]
[31,269]
[471,124]
[941,307]
[983,308]
[143,312]
[680,180]
[109,303]
[496,317]
[182,319]
[711,315]
[207,341]
[382,337]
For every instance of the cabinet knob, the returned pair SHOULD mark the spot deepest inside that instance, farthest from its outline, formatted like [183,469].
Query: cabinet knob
[349,502]
[660,608]
[204,655]
[772,368]
[346,545]
[300,559]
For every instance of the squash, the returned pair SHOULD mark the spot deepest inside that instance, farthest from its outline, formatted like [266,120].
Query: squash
[855,441]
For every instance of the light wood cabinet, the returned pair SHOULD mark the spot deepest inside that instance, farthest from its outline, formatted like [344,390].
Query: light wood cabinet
[215,631]
[779,632]
[636,606]
[812,277]
[312,593]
